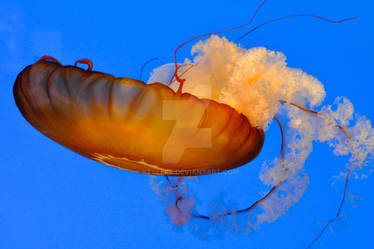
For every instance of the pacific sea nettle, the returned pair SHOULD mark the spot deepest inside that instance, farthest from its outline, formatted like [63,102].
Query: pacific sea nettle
[216,123]
[135,126]
[230,96]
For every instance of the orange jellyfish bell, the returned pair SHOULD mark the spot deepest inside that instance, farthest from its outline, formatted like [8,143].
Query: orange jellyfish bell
[131,125]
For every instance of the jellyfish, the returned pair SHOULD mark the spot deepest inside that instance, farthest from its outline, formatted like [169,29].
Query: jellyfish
[206,115]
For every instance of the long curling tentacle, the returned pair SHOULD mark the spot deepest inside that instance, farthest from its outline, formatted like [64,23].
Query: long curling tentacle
[338,213]
[266,196]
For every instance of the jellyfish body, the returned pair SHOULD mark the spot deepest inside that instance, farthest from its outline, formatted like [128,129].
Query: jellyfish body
[135,126]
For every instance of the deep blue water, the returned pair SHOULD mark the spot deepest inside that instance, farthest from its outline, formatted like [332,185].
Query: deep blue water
[51,197]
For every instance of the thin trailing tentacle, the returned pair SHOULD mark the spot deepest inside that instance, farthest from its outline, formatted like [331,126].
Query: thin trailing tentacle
[338,213]
[266,196]
[180,80]
[293,16]
[341,128]
[172,79]
[145,64]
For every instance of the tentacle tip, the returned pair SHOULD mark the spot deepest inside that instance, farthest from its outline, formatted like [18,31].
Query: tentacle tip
[50,58]
[85,61]
[349,19]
